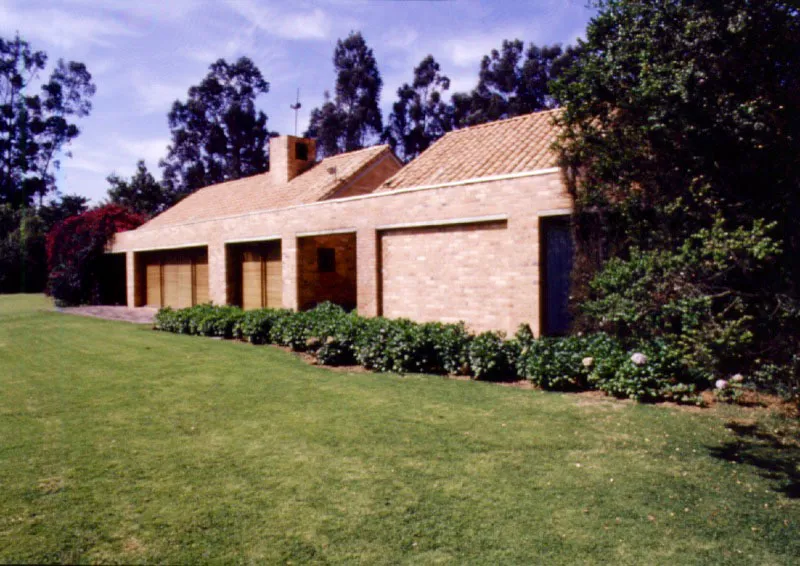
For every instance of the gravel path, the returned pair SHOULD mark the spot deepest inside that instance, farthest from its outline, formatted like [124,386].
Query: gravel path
[139,315]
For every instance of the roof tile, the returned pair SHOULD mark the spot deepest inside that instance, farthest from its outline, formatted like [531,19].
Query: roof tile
[260,192]
[515,145]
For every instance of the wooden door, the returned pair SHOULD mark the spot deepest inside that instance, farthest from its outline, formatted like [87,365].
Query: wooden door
[153,282]
[273,277]
[557,266]
[252,280]
[201,280]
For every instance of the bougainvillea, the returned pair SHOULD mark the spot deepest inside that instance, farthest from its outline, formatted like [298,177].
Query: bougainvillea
[75,249]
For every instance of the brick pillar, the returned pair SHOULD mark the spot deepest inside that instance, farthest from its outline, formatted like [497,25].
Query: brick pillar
[289,268]
[217,273]
[367,270]
[130,279]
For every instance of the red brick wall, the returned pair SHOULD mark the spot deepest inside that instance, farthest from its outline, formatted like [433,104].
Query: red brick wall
[511,256]
[337,287]
[441,274]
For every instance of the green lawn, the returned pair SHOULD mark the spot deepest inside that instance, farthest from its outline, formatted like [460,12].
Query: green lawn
[121,444]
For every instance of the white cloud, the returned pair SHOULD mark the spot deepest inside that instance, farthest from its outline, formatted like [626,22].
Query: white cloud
[60,28]
[314,24]
[400,38]
[152,95]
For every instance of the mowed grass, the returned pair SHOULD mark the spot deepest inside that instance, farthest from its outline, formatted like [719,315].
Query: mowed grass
[121,444]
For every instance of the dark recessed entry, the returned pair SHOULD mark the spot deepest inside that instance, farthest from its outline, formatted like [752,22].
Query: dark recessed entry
[326,260]
[301,151]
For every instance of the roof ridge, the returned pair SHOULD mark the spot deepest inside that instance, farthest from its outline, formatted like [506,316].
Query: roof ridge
[503,121]
[372,147]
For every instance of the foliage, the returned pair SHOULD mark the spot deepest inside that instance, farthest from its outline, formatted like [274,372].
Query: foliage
[217,134]
[702,298]
[643,371]
[663,375]
[353,118]
[142,194]
[420,116]
[62,207]
[23,266]
[677,113]
[36,128]
[75,249]
[513,81]
[489,357]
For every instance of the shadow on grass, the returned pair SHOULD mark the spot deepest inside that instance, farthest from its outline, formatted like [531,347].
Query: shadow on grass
[775,457]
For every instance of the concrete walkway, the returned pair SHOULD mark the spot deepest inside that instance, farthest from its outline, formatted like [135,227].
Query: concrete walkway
[139,315]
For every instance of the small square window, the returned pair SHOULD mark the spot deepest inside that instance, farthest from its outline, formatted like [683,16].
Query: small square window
[301,151]
[326,260]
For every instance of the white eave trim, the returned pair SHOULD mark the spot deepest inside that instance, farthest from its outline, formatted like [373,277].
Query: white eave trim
[178,247]
[555,212]
[326,232]
[381,194]
[270,238]
[448,222]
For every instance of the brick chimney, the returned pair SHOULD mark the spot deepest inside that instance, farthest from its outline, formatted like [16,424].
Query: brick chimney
[289,156]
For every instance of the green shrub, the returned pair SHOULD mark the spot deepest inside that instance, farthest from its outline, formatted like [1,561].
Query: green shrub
[555,363]
[653,372]
[491,357]
[337,337]
[705,298]
[450,347]
[256,326]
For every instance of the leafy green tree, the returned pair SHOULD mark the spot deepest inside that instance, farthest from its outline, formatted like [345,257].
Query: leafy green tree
[679,114]
[353,119]
[420,116]
[513,81]
[61,208]
[326,126]
[36,128]
[218,134]
[142,194]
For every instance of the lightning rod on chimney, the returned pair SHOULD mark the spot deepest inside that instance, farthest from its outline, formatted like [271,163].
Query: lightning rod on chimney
[296,107]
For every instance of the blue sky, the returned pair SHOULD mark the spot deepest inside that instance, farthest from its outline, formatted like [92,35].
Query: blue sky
[143,54]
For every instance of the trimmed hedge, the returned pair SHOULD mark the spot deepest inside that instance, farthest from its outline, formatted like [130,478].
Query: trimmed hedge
[651,372]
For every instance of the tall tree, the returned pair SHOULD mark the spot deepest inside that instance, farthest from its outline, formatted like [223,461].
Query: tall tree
[61,208]
[681,115]
[353,118]
[513,81]
[142,194]
[217,134]
[420,116]
[36,128]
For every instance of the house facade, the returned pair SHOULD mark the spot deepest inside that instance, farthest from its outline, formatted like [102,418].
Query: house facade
[474,229]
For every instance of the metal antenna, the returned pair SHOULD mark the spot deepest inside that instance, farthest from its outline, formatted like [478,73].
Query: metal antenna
[296,107]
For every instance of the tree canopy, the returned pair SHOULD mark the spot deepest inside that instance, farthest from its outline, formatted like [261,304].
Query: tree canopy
[142,194]
[217,133]
[353,118]
[681,119]
[513,81]
[36,127]
[421,115]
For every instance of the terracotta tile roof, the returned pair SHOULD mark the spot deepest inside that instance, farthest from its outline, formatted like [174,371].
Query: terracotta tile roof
[259,192]
[507,146]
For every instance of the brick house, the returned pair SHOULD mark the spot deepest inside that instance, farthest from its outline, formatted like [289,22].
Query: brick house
[474,229]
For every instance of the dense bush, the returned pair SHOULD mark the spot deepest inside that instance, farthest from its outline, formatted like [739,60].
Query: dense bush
[75,249]
[656,371]
[491,357]
[653,372]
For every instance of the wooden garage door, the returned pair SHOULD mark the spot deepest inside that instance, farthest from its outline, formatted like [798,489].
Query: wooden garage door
[153,282]
[176,279]
[261,276]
